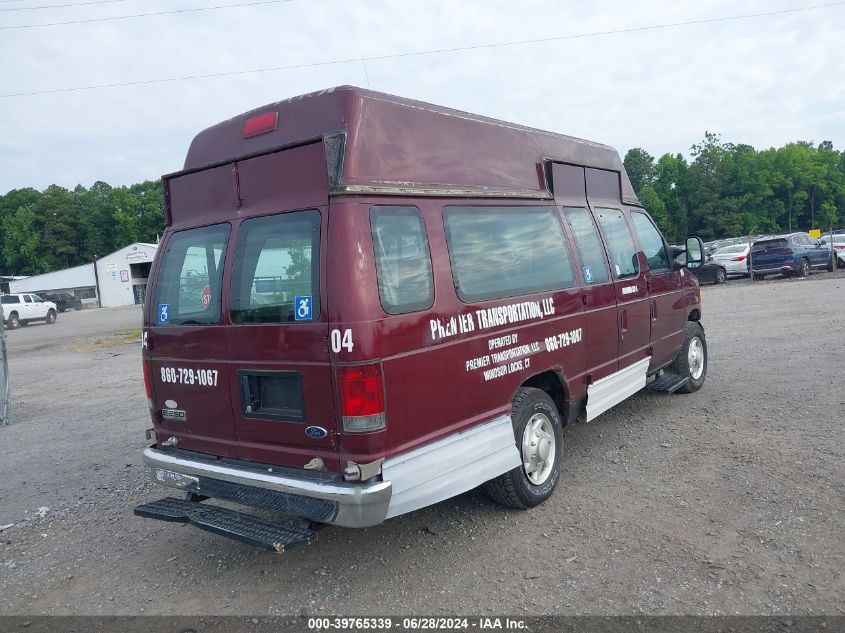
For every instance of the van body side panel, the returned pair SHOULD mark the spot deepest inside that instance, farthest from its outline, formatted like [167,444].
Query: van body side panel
[351,283]
[437,361]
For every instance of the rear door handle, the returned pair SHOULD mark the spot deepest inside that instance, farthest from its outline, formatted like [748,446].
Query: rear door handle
[624,320]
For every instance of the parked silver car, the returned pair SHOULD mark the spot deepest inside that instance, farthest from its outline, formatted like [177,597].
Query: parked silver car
[732,258]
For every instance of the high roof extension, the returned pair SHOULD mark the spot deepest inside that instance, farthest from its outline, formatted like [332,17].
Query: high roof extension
[379,143]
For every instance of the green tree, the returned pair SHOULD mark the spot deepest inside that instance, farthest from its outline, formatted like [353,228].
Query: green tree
[639,165]
[22,243]
[653,203]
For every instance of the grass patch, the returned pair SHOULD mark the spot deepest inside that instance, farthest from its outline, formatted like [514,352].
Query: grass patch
[115,339]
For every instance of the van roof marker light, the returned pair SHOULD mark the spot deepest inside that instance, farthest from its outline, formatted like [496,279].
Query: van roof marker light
[261,124]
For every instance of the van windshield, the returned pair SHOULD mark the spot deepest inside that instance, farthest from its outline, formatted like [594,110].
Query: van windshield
[188,286]
[276,274]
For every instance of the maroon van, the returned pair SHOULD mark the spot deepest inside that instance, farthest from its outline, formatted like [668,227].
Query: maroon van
[363,305]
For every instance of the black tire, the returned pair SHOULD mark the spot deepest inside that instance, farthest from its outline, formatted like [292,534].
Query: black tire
[682,364]
[13,322]
[805,268]
[721,275]
[51,317]
[514,489]
[830,265]
[61,310]
[758,277]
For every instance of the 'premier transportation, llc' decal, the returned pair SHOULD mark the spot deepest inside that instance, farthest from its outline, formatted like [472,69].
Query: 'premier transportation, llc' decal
[491,317]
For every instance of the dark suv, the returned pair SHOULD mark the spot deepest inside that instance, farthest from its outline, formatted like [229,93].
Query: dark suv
[793,254]
[63,300]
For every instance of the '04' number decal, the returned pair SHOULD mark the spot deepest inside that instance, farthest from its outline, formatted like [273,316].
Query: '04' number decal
[341,341]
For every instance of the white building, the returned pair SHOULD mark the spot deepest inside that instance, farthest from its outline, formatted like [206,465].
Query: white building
[117,279]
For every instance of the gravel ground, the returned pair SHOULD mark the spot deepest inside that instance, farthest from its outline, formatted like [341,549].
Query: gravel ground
[727,501]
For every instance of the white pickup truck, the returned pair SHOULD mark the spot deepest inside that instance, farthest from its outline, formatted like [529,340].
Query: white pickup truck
[20,309]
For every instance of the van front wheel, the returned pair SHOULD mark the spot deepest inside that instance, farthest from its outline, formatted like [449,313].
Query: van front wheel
[539,438]
[691,362]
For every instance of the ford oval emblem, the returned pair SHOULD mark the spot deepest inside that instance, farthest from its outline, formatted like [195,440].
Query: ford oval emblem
[316,432]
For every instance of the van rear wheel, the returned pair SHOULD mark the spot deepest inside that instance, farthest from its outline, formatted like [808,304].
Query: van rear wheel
[539,438]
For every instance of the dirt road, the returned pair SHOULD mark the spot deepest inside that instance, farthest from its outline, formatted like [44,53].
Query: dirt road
[730,500]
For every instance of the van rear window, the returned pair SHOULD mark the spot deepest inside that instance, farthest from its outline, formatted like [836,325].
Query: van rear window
[499,252]
[276,272]
[188,286]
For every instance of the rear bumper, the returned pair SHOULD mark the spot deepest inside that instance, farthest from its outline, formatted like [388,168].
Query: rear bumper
[352,505]
[772,270]
[420,477]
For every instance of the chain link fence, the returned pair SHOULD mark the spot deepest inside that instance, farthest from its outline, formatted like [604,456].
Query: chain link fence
[5,383]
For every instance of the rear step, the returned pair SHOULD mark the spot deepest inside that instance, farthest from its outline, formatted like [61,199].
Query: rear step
[237,525]
[668,383]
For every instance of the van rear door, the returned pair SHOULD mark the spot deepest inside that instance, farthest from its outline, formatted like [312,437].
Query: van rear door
[280,374]
[244,297]
[279,368]
[186,343]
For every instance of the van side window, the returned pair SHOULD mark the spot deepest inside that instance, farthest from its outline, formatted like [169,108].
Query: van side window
[589,245]
[650,238]
[191,275]
[277,262]
[403,261]
[623,253]
[499,252]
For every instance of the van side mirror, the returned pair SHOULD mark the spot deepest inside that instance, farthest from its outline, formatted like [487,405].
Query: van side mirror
[695,252]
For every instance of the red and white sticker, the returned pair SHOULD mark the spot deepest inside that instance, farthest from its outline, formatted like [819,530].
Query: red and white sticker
[206,297]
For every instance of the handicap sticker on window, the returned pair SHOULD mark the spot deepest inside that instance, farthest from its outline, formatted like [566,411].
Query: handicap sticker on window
[588,274]
[164,313]
[303,308]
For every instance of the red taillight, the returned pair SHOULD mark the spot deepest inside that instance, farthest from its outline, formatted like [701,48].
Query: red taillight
[260,124]
[738,259]
[148,382]
[362,398]
[839,246]
[362,390]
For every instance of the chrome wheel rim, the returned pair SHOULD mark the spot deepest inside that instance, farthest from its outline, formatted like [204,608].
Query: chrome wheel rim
[805,268]
[695,358]
[538,449]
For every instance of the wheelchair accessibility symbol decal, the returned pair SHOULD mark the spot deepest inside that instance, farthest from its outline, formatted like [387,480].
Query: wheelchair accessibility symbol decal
[303,306]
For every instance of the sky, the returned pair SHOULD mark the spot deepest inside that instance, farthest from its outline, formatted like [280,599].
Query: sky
[763,81]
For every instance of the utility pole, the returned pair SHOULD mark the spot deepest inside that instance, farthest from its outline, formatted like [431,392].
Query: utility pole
[5,382]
